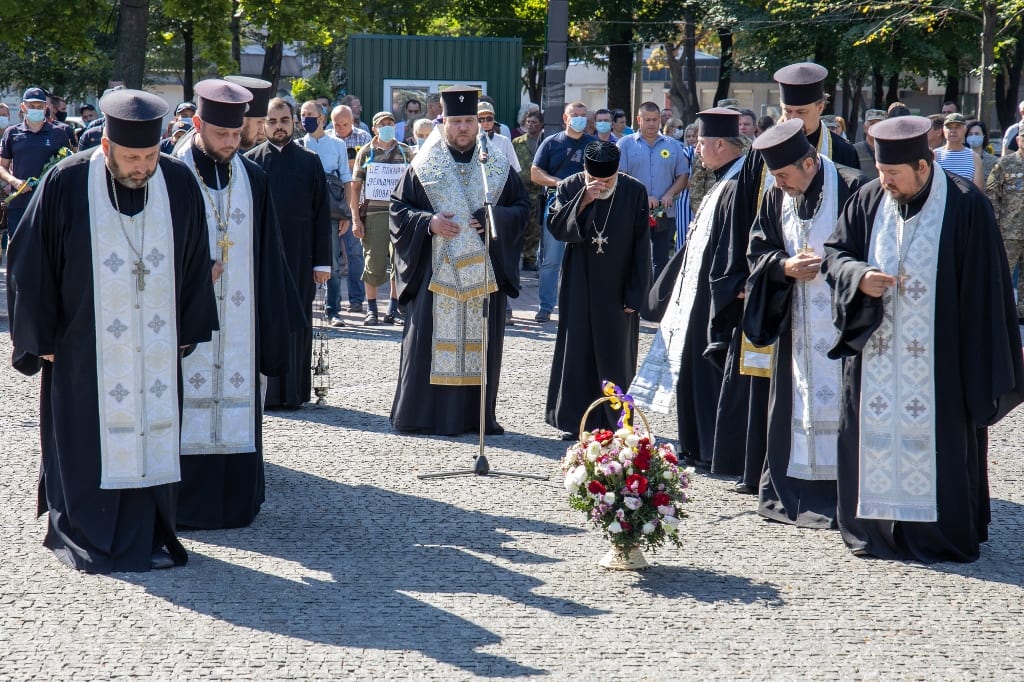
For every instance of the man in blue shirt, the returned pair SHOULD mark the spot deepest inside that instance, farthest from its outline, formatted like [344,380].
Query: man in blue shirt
[558,157]
[25,150]
[659,164]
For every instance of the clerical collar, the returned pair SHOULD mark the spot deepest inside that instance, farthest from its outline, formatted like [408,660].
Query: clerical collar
[814,137]
[916,202]
[214,173]
[810,199]
[724,168]
[462,157]
[131,201]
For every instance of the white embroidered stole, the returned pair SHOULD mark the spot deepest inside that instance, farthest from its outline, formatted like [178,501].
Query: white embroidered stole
[897,399]
[654,385]
[136,337]
[220,381]
[462,272]
[816,378]
[757,361]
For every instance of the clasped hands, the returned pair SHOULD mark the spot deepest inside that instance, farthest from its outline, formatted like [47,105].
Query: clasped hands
[443,225]
[874,283]
[803,267]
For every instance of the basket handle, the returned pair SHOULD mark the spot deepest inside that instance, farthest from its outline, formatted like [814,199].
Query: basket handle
[608,399]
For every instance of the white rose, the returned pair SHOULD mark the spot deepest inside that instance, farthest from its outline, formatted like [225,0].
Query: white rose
[632,503]
[614,527]
[631,440]
[623,433]
[575,478]
[667,475]
[593,451]
[670,521]
[609,498]
[666,510]
[648,528]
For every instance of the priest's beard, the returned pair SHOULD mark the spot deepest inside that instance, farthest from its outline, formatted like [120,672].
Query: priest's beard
[254,132]
[130,180]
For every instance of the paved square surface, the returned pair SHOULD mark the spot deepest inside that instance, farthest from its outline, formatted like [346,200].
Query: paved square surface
[355,569]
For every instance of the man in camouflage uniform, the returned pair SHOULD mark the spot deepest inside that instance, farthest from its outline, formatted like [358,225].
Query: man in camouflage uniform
[1005,189]
[526,148]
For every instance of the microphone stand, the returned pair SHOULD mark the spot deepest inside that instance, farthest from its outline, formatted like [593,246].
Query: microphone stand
[481,466]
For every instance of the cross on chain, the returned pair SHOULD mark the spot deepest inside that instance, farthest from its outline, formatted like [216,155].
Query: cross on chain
[901,281]
[599,241]
[140,273]
[224,243]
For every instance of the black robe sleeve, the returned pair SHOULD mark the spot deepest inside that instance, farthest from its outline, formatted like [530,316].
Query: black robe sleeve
[661,291]
[728,272]
[769,292]
[566,222]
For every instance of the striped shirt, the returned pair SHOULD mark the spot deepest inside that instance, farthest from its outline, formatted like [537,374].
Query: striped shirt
[960,162]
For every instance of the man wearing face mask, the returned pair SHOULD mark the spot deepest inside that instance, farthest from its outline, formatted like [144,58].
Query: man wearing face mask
[558,157]
[58,116]
[603,126]
[526,148]
[378,167]
[25,150]
[254,131]
[299,189]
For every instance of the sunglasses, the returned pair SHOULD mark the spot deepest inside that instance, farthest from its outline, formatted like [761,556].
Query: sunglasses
[485,119]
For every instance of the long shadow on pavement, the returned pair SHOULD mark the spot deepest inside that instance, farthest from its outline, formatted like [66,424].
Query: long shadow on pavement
[1002,559]
[706,586]
[362,567]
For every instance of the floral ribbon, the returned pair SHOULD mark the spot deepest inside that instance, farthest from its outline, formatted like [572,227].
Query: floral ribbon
[619,401]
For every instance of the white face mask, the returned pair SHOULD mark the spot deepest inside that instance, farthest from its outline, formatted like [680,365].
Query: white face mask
[5,121]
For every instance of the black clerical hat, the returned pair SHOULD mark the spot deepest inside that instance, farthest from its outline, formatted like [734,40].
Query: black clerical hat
[459,100]
[801,83]
[903,139]
[719,122]
[133,118]
[783,144]
[260,90]
[222,103]
[601,159]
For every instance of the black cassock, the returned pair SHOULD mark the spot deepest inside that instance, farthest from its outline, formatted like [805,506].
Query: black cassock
[299,189]
[226,491]
[742,426]
[597,339]
[766,319]
[52,312]
[420,406]
[978,370]
[700,378]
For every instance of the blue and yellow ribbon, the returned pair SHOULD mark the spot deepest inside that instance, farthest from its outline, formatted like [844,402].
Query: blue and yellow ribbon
[620,401]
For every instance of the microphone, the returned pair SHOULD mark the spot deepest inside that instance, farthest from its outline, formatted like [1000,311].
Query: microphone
[484,154]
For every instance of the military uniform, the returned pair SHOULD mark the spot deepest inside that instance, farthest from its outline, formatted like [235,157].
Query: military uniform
[531,239]
[701,182]
[1005,189]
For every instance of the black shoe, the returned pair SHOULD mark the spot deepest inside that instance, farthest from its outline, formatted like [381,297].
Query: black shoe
[742,488]
[692,461]
[393,318]
[495,430]
[160,560]
[355,307]
[543,316]
[371,319]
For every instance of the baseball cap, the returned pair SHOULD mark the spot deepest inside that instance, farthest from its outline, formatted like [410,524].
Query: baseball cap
[183,106]
[953,119]
[874,115]
[34,95]
[382,116]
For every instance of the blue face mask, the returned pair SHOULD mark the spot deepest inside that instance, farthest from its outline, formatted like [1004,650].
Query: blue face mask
[975,140]
[578,123]
[386,133]
[35,115]
[310,124]
[603,127]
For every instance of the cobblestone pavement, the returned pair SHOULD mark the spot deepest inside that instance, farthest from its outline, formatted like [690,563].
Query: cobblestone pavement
[356,569]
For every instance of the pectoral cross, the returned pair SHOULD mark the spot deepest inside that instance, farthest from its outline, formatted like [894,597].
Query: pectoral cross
[599,241]
[140,273]
[901,281]
[224,243]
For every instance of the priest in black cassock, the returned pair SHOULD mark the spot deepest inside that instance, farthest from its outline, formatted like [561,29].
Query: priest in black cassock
[444,275]
[932,353]
[788,302]
[254,125]
[109,277]
[258,306]
[740,448]
[606,274]
[299,189]
[676,366]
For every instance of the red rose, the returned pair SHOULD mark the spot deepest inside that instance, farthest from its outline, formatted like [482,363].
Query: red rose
[637,483]
[670,458]
[651,221]
[661,500]
[603,435]
[642,461]
[626,527]
[597,488]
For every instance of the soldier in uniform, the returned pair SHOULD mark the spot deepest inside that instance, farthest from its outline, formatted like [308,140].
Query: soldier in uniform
[1005,189]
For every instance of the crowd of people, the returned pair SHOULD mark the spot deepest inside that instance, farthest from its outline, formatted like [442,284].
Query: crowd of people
[821,305]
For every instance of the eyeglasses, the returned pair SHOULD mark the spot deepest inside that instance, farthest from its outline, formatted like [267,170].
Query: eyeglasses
[485,119]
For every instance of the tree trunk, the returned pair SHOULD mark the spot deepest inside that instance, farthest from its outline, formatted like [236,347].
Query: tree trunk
[272,64]
[726,64]
[952,93]
[130,60]
[1007,86]
[236,34]
[988,49]
[533,78]
[877,89]
[188,45]
[620,71]
[893,92]
[852,100]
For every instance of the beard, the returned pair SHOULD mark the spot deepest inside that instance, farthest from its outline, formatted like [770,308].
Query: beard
[131,181]
[279,137]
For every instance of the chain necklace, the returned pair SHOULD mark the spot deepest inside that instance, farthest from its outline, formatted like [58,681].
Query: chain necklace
[222,220]
[600,240]
[139,270]
[901,254]
[805,225]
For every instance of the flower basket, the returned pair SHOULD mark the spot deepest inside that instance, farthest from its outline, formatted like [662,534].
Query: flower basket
[626,484]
